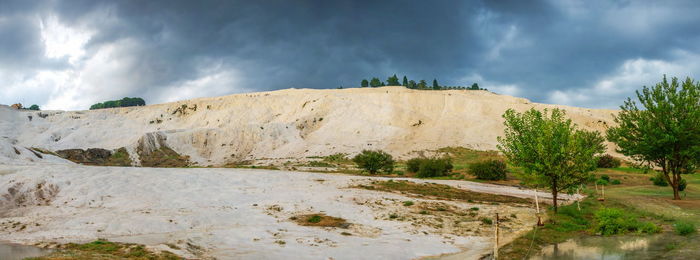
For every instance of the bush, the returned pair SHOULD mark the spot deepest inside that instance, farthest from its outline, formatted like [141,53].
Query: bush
[616,182]
[612,221]
[607,161]
[373,161]
[601,182]
[338,157]
[682,185]
[434,167]
[684,228]
[605,177]
[659,180]
[486,220]
[488,170]
[413,165]
[648,228]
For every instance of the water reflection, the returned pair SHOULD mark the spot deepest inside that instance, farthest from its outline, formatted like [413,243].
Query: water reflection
[18,252]
[609,248]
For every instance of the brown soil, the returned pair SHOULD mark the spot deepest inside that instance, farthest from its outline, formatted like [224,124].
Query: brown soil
[320,220]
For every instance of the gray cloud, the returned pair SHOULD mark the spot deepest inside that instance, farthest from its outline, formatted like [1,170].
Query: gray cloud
[549,51]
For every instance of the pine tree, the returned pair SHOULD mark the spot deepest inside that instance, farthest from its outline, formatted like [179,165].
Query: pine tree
[475,87]
[405,81]
[435,84]
[422,84]
[393,81]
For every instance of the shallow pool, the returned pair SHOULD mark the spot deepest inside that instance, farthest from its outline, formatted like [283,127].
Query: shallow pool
[613,248]
[18,252]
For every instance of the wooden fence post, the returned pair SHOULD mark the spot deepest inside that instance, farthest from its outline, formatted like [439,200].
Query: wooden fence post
[537,202]
[495,243]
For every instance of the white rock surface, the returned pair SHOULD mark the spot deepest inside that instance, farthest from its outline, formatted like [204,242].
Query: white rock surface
[227,212]
[289,123]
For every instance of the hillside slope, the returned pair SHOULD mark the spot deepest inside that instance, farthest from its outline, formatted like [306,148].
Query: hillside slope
[291,123]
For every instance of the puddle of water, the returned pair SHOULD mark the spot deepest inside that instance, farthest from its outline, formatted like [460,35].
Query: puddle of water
[609,248]
[19,252]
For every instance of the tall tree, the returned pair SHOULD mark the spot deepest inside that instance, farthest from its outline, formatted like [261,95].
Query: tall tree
[364,83]
[375,82]
[665,132]
[393,81]
[550,148]
[405,82]
[34,107]
[475,87]
[435,84]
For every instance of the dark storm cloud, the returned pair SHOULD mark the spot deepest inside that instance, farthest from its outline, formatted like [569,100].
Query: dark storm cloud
[163,50]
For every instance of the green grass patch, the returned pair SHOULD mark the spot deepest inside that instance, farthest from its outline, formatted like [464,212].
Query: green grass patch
[102,249]
[684,228]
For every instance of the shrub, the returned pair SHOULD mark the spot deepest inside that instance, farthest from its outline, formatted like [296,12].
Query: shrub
[616,182]
[338,157]
[601,182]
[486,220]
[434,167]
[373,161]
[612,221]
[605,177]
[608,161]
[408,203]
[659,180]
[413,165]
[648,228]
[488,170]
[684,228]
[682,185]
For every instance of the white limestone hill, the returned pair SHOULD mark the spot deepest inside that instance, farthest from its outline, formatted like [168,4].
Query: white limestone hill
[290,123]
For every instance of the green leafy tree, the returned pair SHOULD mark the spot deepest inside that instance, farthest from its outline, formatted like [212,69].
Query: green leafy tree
[412,84]
[422,84]
[550,148]
[124,102]
[373,161]
[34,107]
[665,132]
[393,81]
[436,86]
[475,87]
[375,82]
[364,83]
[405,82]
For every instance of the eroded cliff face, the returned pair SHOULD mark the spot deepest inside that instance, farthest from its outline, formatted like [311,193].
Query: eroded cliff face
[292,123]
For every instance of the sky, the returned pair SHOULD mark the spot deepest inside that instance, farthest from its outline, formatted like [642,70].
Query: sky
[71,54]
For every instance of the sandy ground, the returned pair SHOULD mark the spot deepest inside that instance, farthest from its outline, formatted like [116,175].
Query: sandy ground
[234,213]
[290,123]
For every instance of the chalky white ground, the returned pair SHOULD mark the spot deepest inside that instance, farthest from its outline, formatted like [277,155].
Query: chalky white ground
[226,212]
[237,213]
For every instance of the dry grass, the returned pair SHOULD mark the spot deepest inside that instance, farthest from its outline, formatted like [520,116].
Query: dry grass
[320,220]
[163,157]
[439,191]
